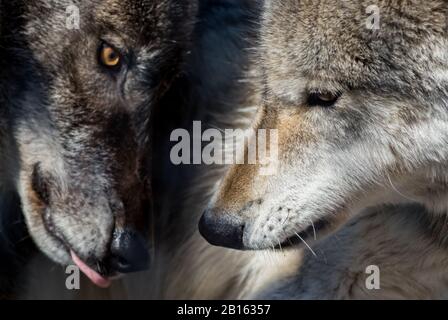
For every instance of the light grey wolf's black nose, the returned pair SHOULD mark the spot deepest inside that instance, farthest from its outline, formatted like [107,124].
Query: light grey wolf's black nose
[220,230]
[129,252]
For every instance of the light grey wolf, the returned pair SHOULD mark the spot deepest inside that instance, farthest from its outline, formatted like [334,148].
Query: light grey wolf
[75,143]
[362,120]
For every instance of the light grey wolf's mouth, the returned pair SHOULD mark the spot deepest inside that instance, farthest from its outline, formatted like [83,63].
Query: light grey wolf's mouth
[309,233]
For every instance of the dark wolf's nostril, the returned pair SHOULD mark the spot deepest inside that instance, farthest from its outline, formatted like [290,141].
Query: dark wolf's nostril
[221,231]
[129,252]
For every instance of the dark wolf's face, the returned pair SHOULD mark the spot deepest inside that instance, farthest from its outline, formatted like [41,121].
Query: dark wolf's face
[361,114]
[82,128]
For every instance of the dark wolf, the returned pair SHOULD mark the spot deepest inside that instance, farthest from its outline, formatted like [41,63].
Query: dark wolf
[75,135]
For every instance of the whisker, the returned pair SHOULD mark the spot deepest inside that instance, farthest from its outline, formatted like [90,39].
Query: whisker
[287,217]
[280,245]
[301,239]
[314,230]
[23,239]
[397,191]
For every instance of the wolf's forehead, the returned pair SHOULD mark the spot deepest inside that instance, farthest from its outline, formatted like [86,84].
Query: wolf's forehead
[140,12]
[356,42]
[145,21]
[133,17]
[130,14]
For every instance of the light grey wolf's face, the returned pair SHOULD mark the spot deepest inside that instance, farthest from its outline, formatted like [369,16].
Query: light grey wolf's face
[361,114]
[82,127]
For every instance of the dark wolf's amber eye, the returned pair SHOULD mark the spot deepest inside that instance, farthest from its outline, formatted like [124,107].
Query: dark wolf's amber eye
[322,99]
[109,57]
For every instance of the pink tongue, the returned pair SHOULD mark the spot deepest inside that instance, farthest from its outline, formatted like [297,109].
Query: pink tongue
[94,276]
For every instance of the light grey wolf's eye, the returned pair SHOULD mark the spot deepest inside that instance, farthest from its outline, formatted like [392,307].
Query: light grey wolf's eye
[322,99]
[109,57]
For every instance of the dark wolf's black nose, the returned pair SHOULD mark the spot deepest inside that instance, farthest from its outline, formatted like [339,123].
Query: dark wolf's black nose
[220,230]
[129,252]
